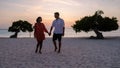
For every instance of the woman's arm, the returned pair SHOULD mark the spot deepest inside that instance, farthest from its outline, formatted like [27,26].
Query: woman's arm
[45,29]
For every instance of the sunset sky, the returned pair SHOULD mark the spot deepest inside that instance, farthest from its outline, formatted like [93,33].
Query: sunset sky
[70,10]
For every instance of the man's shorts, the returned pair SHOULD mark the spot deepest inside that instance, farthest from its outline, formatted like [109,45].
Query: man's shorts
[57,37]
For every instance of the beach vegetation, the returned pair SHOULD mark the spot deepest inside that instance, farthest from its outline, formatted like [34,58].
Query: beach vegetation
[96,23]
[18,26]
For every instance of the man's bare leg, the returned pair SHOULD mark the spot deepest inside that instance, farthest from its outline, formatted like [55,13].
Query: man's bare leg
[54,42]
[59,47]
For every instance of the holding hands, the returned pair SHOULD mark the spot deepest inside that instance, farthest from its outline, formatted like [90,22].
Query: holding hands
[49,33]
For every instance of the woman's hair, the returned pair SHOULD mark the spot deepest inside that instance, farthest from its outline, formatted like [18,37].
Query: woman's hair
[37,20]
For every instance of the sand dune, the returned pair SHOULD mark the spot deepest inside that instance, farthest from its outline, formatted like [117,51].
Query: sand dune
[76,53]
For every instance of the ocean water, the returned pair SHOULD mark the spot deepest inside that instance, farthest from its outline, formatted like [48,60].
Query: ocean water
[69,32]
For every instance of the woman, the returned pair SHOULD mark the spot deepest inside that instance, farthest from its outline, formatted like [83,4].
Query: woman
[39,34]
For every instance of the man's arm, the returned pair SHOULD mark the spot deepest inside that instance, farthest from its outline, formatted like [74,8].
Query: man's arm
[63,28]
[63,31]
[50,30]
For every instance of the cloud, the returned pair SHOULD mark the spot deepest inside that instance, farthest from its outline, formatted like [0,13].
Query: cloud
[64,2]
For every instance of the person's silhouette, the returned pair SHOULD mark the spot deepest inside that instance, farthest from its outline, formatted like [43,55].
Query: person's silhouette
[39,34]
[59,26]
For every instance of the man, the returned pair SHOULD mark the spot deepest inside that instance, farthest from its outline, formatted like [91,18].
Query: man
[58,25]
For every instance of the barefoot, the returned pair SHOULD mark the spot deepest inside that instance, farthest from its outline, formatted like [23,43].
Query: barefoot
[58,51]
[36,51]
[40,52]
[55,49]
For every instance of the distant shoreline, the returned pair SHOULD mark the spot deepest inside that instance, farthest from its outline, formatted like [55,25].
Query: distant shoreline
[69,32]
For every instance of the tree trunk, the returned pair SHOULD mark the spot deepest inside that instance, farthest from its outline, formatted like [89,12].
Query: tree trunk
[30,34]
[98,35]
[15,35]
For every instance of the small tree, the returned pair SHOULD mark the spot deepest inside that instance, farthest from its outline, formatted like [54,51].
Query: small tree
[96,23]
[18,26]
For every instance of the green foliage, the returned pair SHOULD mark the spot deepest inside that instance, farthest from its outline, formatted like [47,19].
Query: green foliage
[20,25]
[96,21]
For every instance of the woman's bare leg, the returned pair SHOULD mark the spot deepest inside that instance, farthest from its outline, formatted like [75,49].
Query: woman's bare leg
[40,48]
[37,46]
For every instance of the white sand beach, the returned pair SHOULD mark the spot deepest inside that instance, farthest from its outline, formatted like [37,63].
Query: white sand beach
[76,53]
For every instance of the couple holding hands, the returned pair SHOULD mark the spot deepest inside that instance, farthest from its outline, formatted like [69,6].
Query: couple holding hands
[59,28]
